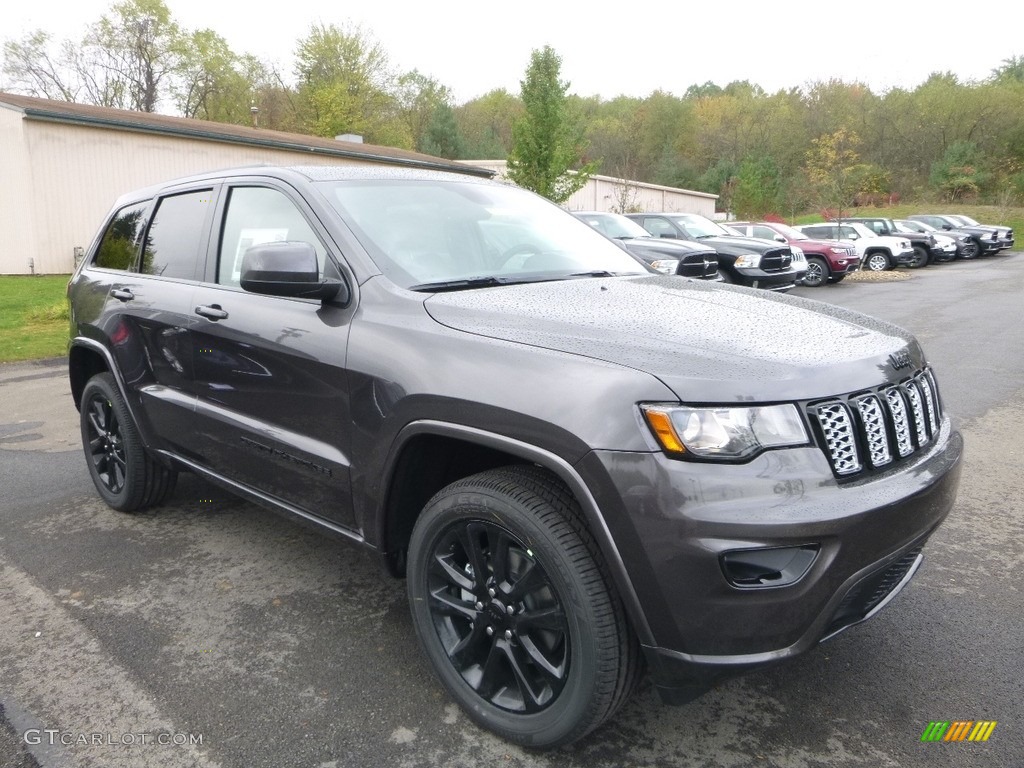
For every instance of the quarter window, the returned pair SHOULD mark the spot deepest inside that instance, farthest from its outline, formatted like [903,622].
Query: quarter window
[120,244]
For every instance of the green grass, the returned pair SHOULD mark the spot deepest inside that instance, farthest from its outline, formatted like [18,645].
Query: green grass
[33,317]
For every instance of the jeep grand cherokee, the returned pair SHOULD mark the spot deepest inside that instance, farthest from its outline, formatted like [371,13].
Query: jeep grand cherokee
[582,469]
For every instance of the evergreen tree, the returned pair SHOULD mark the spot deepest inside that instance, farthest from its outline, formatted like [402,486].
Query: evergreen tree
[547,141]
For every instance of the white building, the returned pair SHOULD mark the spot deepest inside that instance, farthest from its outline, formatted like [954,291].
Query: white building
[63,165]
[607,193]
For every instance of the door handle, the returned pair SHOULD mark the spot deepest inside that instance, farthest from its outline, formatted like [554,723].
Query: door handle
[122,294]
[213,312]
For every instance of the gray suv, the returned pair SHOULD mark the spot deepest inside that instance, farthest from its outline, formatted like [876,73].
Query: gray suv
[584,470]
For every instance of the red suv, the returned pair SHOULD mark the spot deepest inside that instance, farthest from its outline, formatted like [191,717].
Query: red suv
[827,260]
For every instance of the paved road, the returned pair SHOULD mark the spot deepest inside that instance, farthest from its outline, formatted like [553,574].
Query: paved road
[244,640]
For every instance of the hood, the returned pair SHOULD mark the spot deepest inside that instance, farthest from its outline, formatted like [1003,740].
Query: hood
[735,245]
[708,343]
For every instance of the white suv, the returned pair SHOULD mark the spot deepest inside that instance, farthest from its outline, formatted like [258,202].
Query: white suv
[877,252]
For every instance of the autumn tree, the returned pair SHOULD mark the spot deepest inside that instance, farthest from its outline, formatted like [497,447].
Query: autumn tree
[830,168]
[547,141]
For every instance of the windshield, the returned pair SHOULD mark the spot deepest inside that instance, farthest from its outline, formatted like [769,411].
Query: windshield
[697,226]
[789,233]
[614,225]
[443,234]
[914,226]
[963,220]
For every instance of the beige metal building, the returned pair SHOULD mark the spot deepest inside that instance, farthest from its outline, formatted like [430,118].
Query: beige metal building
[607,193]
[62,166]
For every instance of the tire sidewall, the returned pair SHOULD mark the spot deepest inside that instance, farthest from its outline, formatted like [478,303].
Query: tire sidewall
[556,723]
[102,387]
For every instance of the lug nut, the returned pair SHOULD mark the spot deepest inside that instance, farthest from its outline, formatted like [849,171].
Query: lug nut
[508,634]
[479,606]
[491,592]
[510,610]
[490,631]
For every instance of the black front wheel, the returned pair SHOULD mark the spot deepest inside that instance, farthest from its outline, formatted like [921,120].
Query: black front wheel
[921,257]
[125,476]
[514,610]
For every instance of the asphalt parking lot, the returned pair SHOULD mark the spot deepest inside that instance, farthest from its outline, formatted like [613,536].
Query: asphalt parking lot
[213,633]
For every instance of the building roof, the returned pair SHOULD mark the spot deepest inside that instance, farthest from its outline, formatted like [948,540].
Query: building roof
[204,130]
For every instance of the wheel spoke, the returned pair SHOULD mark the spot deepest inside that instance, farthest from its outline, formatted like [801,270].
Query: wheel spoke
[468,649]
[551,618]
[492,678]
[443,603]
[554,671]
[500,543]
[531,579]
[443,566]
[469,537]
[519,661]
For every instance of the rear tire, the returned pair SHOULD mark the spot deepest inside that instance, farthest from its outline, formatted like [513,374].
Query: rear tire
[125,475]
[514,610]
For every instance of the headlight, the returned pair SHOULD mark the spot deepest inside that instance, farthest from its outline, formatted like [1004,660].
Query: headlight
[668,266]
[724,433]
[837,250]
[748,261]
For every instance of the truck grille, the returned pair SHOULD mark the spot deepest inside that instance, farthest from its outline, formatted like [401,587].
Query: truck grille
[871,430]
[777,260]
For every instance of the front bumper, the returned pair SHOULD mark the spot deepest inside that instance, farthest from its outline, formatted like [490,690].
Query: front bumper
[675,522]
[904,257]
[772,281]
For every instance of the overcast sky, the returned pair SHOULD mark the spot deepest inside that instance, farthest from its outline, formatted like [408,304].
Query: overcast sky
[475,47]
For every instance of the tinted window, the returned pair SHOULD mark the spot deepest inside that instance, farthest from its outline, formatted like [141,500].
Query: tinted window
[120,244]
[174,237]
[260,215]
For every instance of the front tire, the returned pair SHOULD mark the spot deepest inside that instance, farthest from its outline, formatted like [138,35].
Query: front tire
[920,259]
[817,272]
[877,262]
[126,477]
[514,610]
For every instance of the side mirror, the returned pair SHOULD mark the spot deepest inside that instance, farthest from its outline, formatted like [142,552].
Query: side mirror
[288,269]
[779,239]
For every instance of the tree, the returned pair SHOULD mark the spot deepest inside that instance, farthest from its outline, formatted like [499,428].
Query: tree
[758,187]
[419,98]
[1011,70]
[441,136]
[830,168]
[958,175]
[547,141]
[345,86]
[129,55]
[485,124]
[32,68]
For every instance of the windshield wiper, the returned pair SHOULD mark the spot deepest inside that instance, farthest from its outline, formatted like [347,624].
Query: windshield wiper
[479,282]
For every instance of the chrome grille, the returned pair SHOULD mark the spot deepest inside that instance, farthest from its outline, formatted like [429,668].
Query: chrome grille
[871,430]
[839,437]
[875,430]
[901,426]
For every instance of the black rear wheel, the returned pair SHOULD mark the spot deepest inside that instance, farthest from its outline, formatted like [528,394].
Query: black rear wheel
[514,610]
[126,477]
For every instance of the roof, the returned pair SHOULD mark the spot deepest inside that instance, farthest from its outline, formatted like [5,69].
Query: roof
[182,127]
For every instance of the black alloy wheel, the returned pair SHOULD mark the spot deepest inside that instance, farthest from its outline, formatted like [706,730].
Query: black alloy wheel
[817,272]
[511,606]
[969,250]
[125,476]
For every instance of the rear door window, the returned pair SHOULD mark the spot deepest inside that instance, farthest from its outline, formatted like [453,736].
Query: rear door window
[176,235]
